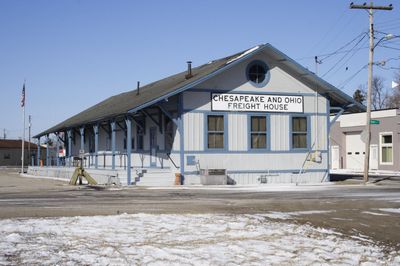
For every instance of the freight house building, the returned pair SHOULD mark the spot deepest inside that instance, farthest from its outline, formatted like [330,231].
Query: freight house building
[255,117]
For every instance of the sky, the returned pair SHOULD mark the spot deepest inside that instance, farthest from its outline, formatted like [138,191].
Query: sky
[72,54]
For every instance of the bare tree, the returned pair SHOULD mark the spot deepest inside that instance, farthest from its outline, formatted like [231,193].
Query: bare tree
[380,95]
[394,99]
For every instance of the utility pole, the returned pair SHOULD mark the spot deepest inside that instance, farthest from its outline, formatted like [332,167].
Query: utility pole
[4,133]
[317,62]
[370,9]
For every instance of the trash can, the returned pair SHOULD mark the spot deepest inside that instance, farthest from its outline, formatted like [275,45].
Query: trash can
[177,179]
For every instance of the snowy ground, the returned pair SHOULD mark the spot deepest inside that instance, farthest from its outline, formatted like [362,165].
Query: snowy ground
[202,239]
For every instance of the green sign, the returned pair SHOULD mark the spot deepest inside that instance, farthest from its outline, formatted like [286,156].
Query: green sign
[374,122]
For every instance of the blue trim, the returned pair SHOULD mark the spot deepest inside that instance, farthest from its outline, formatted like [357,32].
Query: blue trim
[128,150]
[268,132]
[308,133]
[266,171]
[328,133]
[254,151]
[267,74]
[82,134]
[274,171]
[253,113]
[113,145]
[149,167]
[38,151]
[252,92]
[57,148]
[181,139]
[205,135]
[69,133]
[47,151]
[153,160]
[96,146]
[200,80]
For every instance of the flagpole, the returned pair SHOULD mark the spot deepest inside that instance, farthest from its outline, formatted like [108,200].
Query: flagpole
[23,128]
[23,142]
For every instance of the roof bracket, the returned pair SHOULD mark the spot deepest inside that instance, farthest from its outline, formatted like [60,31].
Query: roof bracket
[151,118]
[168,114]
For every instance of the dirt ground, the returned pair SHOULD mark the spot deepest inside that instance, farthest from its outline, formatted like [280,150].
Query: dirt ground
[351,209]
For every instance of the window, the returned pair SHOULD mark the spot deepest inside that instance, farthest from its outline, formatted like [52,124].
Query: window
[7,156]
[258,132]
[257,73]
[215,134]
[139,133]
[299,132]
[386,142]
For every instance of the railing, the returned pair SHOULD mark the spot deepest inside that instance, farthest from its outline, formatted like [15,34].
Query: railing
[104,160]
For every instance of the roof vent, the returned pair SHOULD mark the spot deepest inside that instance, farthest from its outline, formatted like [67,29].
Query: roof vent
[189,70]
[138,87]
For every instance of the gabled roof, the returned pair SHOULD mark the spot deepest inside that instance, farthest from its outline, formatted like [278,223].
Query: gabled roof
[127,102]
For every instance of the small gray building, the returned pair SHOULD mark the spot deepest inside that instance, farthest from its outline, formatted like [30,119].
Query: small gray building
[256,116]
[348,146]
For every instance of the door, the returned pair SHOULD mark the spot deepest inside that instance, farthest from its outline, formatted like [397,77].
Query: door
[355,150]
[153,146]
[373,157]
[335,155]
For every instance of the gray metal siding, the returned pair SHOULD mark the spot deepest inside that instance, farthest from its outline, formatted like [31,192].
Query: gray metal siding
[279,132]
[237,132]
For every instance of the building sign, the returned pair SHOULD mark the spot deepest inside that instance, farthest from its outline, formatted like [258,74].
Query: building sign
[256,103]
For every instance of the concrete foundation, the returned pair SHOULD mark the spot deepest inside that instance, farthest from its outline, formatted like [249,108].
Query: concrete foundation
[101,176]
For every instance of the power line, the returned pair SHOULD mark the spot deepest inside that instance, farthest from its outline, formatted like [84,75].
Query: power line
[344,46]
[345,82]
[394,48]
[334,53]
[343,57]
[345,62]
[387,21]
[389,68]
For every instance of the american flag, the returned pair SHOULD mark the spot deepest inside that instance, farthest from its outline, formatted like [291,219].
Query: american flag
[23,96]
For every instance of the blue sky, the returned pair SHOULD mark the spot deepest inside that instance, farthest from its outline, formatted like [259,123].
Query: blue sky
[76,53]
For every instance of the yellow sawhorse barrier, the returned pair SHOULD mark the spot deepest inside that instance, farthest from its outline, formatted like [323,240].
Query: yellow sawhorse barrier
[78,174]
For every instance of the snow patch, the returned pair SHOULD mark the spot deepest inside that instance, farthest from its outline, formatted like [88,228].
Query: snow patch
[392,210]
[375,213]
[137,239]
[289,215]
[243,54]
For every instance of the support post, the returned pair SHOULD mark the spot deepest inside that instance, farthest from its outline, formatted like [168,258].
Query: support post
[47,151]
[38,152]
[113,144]
[181,139]
[82,134]
[57,145]
[96,146]
[69,134]
[128,149]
